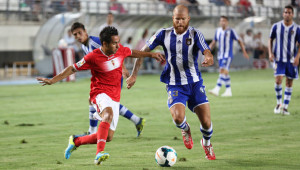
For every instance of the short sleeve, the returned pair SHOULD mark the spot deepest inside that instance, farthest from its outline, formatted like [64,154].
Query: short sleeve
[125,51]
[234,35]
[273,31]
[84,63]
[156,39]
[200,41]
[298,34]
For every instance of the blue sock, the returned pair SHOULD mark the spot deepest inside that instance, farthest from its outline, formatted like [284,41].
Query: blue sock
[93,122]
[128,114]
[207,133]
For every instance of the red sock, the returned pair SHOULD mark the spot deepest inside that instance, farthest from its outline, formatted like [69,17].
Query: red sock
[102,136]
[88,139]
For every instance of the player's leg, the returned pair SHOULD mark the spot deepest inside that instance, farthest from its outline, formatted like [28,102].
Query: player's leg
[198,103]
[93,121]
[176,103]
[138,121]
[278,92]
[279,72]
[227,81]
[291,73]
[215,91]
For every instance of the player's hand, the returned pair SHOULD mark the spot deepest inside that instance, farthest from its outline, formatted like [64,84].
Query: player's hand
[246,55]
[208,61]
[271,57]
[158,57]
[130,81]
[44,81]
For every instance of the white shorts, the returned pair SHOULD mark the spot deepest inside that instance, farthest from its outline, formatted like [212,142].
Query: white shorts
[104,101]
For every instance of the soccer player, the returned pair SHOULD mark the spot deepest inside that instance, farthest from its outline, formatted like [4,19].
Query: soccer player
[285,57]
[105,64]
[181,44]
[224,36]
[90,43]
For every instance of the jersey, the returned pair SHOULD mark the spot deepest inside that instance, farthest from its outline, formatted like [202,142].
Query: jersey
[93,43]
[286,37]
[181,53]
[106,72]
[225,40]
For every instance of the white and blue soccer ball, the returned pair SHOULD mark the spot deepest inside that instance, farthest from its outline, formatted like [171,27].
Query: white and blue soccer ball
[165,156]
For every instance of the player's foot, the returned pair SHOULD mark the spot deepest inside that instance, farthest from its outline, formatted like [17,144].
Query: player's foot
[187,138]
[209,152]
[227,93]
[71,147]
[285,112]
[140,126]
[100,157]
[277,109]
[214,91]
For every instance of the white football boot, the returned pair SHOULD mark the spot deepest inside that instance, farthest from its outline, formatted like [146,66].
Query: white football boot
[227,93]
[215,91]
[285,112]
[277,109]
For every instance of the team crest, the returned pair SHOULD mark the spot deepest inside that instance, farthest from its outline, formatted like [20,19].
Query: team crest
[188,41]
[113,62]
[292,32]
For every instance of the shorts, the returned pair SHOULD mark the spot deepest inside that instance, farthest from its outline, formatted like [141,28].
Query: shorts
[225,63]
[103,101]
[193,94]
[285,69]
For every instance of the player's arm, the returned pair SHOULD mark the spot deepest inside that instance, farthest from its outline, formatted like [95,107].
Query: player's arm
[208,58]
[125,72]
[243,49]
[296,60]
[212,44]
[270,46]
[65,73]
[141,54]
[137,65]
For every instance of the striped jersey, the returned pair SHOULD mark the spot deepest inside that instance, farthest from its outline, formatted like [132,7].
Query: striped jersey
[181,53]
[93,43]
[225,41]
[285,44]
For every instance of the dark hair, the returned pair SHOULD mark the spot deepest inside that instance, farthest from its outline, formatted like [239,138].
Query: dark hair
[77,25]
[106,33]
[289,7]
[129,39]
[224,17]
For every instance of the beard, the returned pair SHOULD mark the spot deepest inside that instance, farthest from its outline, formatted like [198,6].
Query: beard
[180,29]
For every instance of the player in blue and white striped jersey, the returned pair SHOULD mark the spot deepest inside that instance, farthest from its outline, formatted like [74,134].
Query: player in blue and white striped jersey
[88,44]
[285,56]
[181,44]
[225,36]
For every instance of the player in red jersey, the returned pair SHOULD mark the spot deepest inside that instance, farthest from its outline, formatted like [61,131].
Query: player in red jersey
[105,64]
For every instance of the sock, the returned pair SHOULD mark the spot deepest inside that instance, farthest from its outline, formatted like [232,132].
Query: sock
[184,126]
[88,139]
[227,82]
[220,81]
[129,115]
[102,134]
[278,90]
[207,133]
[93,122]
[287,97]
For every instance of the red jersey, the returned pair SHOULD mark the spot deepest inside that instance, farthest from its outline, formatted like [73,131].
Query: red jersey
[106,72]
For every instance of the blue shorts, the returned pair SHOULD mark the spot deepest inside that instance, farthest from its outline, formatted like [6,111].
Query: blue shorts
[193,93]
[286,69]
[225,63]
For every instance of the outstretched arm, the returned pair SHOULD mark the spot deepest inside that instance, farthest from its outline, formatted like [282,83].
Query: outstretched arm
[296,59]
[65,73]
[137,65]
[243,49]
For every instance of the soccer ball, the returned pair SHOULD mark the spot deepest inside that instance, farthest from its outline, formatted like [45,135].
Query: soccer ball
[165,156]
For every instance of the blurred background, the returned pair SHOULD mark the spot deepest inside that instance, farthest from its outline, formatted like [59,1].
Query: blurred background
[31,30]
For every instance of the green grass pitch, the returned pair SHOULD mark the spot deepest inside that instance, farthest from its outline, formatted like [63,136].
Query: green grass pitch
[36,122]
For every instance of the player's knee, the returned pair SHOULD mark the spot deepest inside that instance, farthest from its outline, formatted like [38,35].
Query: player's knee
[109,138]
[107,115]
[178,119]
